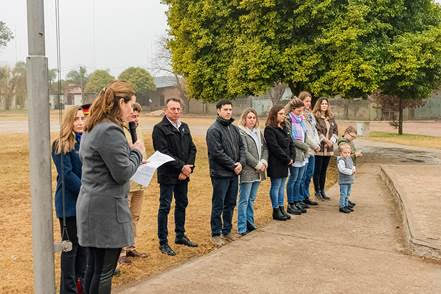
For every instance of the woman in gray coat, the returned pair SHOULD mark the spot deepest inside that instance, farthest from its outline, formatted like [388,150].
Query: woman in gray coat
[253,171]
[103,215]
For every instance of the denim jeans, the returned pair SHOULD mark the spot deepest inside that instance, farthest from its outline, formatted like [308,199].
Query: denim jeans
[307,176]
[245,209]
[345,192]
[277,191]
[222,204]
[294,181]
[181,201]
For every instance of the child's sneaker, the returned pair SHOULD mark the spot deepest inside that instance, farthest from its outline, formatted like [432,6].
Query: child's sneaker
[344,210]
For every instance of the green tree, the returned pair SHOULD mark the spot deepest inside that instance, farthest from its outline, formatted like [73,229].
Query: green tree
[5,34]
[331,47]
[141,80]
[19,84]
[412,71]
[78,77]
[98,80]
[13,91]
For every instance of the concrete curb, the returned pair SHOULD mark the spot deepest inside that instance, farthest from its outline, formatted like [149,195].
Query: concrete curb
[415,242]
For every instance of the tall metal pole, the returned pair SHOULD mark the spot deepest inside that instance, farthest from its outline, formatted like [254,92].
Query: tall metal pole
[39,151]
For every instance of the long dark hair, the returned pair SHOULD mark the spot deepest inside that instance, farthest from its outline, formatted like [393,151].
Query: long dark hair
[272,116]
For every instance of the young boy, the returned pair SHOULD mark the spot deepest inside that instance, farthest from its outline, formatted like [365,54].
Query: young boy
[346,171]
[349,135]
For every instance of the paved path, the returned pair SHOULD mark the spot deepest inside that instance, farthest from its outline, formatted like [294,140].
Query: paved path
[323,251]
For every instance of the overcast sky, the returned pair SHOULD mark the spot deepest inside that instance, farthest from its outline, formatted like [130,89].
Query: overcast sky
[100,34]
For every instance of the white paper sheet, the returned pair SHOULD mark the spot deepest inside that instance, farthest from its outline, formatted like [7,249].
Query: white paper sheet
[145,172]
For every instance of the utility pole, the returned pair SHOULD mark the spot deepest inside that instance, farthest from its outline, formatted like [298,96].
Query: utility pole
[39,151]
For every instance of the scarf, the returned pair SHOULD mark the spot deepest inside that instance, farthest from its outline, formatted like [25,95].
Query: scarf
[298,127]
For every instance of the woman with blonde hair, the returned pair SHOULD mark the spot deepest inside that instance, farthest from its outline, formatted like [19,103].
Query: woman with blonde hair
[328,135]
[67,162]
[253,171]
[103,215]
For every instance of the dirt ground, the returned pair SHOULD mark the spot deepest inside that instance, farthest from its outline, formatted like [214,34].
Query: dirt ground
[15,220]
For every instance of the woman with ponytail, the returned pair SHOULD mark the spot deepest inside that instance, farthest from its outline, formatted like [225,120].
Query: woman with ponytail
[103,215]
[65,156]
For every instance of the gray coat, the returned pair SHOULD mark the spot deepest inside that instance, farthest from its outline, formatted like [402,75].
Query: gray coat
[103,215]
[250,171]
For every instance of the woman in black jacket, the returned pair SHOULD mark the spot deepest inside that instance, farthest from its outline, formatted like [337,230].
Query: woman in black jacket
[280,156]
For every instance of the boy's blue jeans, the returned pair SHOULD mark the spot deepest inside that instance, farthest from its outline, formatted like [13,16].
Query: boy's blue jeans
[307,176]
[245,209]
[294,181]
[277,191]
[345,192]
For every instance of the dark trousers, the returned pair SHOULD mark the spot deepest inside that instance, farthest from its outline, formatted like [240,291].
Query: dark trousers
[101,264]
[166,193]
[223,203]
[321,166]
[73,263]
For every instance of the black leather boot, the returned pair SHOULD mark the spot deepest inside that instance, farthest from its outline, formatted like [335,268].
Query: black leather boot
[292,209]
[324,196]
[277,215]
[318,195]
[285,215]
[300,207]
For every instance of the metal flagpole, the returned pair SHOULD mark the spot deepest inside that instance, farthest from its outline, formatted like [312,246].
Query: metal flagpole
[39,151]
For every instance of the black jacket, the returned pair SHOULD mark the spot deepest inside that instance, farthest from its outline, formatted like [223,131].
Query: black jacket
[280,151]
[178,144]
[225,148]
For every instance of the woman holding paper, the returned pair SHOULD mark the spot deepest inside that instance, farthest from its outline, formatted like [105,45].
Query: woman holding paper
[103,215]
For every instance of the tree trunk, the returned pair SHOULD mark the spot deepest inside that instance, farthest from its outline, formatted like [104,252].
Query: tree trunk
[400,117]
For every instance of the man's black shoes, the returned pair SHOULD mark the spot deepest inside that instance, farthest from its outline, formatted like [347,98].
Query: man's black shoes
[165,249]
[310,202]
[185,241]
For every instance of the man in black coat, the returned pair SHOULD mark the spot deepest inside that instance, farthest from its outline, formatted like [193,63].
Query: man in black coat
[172,137]
[226,154]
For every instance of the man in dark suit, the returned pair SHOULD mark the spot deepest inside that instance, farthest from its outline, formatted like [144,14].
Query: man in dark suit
[172,137]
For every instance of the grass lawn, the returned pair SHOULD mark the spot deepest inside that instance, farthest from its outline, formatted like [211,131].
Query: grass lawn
[406,139]
[15,220]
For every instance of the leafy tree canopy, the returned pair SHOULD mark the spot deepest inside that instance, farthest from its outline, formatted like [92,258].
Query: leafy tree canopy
[330,47]
[141,80]
[98,80]
[5,34]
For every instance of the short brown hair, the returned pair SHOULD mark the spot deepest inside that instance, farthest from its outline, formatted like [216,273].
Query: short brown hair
[350,130]
[174,99]
[136,107]
[293,104]
[272,116]
[245,113]
[344,146]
